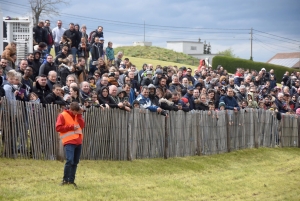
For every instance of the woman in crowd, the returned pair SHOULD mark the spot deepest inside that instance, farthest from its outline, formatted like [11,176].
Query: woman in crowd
[102,67]
[202,104]
[74,96]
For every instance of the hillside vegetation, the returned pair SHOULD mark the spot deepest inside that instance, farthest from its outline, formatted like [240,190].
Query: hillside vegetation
[231,64]
[158,53]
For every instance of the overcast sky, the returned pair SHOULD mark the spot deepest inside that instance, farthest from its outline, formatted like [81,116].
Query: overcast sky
[223,23]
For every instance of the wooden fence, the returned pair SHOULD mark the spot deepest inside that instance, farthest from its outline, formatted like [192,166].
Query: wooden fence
[28,131]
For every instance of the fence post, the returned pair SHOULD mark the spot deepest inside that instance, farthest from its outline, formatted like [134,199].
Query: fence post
[198,133]
[228,133]
[166,139]
[129,136]
[255,117]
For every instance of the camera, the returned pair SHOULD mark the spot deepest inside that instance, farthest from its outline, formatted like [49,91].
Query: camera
[68,67]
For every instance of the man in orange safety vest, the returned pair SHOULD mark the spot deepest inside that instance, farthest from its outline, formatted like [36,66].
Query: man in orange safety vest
[69,124]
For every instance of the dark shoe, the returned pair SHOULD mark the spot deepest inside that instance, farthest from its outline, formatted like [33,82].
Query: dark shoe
[63,183]
[72,183]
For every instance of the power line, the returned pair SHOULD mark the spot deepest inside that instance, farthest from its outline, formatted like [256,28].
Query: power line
[263,45]
[276,39]
[277,36]
[270,45]
[122,22]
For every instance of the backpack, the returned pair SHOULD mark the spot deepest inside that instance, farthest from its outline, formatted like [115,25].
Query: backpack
[90,36]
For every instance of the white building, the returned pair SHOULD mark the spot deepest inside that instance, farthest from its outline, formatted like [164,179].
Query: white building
[192,48]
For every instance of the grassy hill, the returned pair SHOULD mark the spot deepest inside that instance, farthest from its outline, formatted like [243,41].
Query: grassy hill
[138,62]
[251,174]
[158,53]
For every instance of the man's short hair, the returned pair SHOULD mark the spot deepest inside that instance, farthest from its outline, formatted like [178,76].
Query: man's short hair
[74,106]
[56,86]
[71,23]
[42,45]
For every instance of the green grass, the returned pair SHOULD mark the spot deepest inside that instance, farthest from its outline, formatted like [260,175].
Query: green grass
[138,62]
[252,174]
[158,53]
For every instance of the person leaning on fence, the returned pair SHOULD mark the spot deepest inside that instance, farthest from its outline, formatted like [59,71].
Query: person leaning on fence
[146,103]
[69,124]
[55,97]
[230,101]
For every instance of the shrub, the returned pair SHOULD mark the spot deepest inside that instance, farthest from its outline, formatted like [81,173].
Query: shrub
[231,64]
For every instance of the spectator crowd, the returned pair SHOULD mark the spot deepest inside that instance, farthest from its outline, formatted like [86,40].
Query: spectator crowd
[86,71]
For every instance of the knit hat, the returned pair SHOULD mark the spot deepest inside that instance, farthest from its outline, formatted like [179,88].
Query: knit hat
[185,100]
[159,71]
[151,86]
[222,104]
[298,111]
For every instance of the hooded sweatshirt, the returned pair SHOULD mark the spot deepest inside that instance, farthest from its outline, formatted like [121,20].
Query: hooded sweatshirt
[251,102]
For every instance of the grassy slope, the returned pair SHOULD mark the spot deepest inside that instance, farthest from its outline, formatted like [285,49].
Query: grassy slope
[158,53]
[262,174]
[138,62]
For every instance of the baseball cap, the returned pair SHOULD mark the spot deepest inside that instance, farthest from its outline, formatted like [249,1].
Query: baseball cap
[190,88]
[101,38]
[263,69]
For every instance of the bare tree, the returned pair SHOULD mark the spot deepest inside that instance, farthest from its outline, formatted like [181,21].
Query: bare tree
[44,7]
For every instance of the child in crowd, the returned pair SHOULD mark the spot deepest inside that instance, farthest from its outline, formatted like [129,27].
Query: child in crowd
[136,104]
[33,98]
[222,106]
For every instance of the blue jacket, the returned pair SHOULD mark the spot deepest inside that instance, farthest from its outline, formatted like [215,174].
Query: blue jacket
[146,103]
[191,100]
[230,102]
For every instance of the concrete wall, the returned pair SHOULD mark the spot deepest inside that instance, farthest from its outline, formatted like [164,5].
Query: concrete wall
[192,48]
[187,47]
[175,46]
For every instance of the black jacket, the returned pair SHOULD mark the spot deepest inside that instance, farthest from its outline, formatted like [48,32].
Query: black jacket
[201,106]
[96,34]
[49,67]
[73,36]
[51,98]
[40,34]
[60,55]
[97,51]
[41,92]
[36,64]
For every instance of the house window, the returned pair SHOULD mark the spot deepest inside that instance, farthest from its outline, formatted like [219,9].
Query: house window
[193,48]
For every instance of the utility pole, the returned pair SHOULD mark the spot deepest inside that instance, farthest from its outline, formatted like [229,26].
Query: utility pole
[251,39]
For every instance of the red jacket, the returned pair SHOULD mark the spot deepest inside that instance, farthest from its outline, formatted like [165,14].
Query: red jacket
[60,126]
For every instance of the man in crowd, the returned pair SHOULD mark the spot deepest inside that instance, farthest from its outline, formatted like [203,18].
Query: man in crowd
[52,78]
[36,64]
[146,103]
[26,79]
[70,79]
[48,66]
[118,59]
[41,88]
[22,66]
[73,35]
[5,68]
[40,34]
[49,36]
[98,33]
[230,101]
[55,97]
[57,33]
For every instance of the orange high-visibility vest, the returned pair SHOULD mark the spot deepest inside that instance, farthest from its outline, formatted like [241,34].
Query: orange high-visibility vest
[70,135]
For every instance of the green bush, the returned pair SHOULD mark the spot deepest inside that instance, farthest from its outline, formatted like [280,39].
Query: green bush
[231,64]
